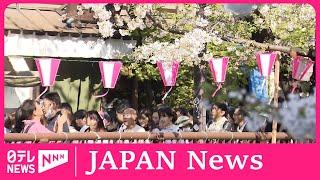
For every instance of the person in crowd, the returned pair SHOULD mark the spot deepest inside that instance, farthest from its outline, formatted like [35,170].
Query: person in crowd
[195,121]
[123,105]
[31,114]
[95,122]
[66,108]
[185,124]
[167,119]
[109,122]
[145,120]
[29,118]
[181,112]
[8,123]
[130,121]
[19,125]
[220,123]
[183,120]
[51,108]
[155,120]
[80,120]
[268,126]
[230,118]
[239,120]
[166,123]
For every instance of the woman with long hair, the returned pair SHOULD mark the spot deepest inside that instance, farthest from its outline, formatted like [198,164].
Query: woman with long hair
[145,119]
[95,122]
[28,118]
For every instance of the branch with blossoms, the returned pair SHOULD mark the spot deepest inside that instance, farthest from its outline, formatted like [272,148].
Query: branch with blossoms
[185,49]
[122,18]
[265,46]
[159,25]
[126,18]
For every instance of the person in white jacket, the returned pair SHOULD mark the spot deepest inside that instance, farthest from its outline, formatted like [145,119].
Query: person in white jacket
[130,124]
[220,123]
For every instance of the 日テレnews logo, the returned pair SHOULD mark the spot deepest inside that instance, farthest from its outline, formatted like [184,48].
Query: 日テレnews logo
[23,161]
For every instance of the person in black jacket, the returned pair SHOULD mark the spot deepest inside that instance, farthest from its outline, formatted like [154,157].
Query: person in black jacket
[239,120]
[51,107]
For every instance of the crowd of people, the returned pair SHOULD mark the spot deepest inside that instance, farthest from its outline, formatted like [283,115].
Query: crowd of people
[49,115]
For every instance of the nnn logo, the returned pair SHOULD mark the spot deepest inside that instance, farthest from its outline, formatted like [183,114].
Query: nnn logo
[48,159]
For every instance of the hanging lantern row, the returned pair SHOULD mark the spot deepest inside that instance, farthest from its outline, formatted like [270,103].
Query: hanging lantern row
[48,68]
[302,69]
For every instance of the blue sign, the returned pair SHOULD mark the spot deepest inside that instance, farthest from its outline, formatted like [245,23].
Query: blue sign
[258,86]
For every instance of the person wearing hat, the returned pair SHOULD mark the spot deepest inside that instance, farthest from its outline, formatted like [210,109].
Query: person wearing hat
[184,123]
[220,123]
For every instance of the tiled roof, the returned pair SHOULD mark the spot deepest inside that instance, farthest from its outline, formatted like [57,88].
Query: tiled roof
[41,18]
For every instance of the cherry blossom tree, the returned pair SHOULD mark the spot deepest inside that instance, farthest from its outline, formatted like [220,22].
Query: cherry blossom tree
[192,33]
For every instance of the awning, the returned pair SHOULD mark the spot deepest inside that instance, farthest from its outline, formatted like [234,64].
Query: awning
[41,18]
[66,46]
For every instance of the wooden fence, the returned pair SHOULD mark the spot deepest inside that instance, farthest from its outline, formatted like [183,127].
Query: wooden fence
[146,137]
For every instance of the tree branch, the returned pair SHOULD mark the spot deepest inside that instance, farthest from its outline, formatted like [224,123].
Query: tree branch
[159,25]
[266,46]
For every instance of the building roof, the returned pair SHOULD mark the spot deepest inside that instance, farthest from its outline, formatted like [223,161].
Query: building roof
[41,18]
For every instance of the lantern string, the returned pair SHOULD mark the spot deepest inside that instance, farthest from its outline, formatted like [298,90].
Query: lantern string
[218,88]
[264,82]
[294,87]
[43,92]
[102,95]
[167,93]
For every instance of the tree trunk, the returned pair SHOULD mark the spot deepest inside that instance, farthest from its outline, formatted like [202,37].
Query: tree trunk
[196,88]
[135,94]
[149,94]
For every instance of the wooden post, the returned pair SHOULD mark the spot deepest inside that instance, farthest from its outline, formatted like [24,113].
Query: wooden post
[275,100]
[203,114]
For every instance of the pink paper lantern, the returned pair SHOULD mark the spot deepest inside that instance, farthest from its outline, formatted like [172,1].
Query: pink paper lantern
[265,63]
[218,67]
[302,68]
[168,72]
[109,71]
[47,68]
